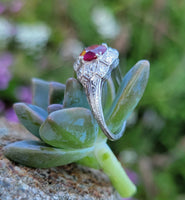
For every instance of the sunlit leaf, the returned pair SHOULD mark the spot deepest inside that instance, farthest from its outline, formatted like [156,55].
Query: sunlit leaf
[70,128]
[129,94]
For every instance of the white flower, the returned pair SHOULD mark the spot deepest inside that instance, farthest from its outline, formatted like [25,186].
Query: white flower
[5,32]
[33,37]
[105,23]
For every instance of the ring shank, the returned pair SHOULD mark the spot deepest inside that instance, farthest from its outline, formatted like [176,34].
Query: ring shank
[94,93]
[92,75]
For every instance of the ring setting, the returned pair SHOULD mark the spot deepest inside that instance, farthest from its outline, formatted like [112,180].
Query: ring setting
[96,61]
[93,67]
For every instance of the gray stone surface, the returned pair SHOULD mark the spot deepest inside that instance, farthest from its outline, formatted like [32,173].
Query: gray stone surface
[70,182]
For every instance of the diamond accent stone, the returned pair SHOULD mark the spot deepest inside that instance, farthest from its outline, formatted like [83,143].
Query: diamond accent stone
[102,69]
[110,56]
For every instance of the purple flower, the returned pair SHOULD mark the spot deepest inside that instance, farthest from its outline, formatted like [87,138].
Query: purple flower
[6,61]
[11,115]
[133,176]
[16,6]
[2,8]
[24,94]
[2,106]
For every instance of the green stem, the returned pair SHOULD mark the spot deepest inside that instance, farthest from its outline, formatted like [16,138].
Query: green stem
[112,167]
[89,161]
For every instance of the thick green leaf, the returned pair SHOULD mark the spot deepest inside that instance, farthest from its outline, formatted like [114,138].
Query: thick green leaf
[56,93]
[129,94]
[70,128]
[40,93]
[39,155]
[30,116]
[74,95]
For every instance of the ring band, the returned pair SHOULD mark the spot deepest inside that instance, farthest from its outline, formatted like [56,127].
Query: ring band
[93,68]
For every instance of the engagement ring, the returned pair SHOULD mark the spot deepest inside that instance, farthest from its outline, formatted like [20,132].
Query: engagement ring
[93,67]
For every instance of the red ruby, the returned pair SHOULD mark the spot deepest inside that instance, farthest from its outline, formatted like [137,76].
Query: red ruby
[90,53]
[89,56]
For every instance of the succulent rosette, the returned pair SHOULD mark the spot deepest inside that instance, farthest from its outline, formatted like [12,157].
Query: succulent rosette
[61,118]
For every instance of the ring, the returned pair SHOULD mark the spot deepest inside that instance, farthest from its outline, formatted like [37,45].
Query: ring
[93,67]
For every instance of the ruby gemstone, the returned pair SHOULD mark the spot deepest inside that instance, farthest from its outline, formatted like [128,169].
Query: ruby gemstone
[89,56]
[90,53]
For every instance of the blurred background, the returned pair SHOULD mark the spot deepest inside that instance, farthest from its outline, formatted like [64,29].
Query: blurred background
[42,39]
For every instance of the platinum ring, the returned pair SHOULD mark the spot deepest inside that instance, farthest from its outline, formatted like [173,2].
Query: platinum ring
[93,67]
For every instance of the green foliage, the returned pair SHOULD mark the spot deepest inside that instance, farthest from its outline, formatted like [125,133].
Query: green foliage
[74,95]
[31,116]
[71,128]
[152,30]
[39,155]
[69,132]
[40,93]
[130,92]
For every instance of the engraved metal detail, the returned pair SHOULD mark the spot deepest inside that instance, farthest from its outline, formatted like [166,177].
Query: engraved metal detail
[92,75]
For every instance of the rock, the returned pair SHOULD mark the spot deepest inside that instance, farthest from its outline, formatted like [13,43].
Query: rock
[70,182]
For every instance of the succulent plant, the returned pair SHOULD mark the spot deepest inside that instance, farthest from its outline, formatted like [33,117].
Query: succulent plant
[61,119]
